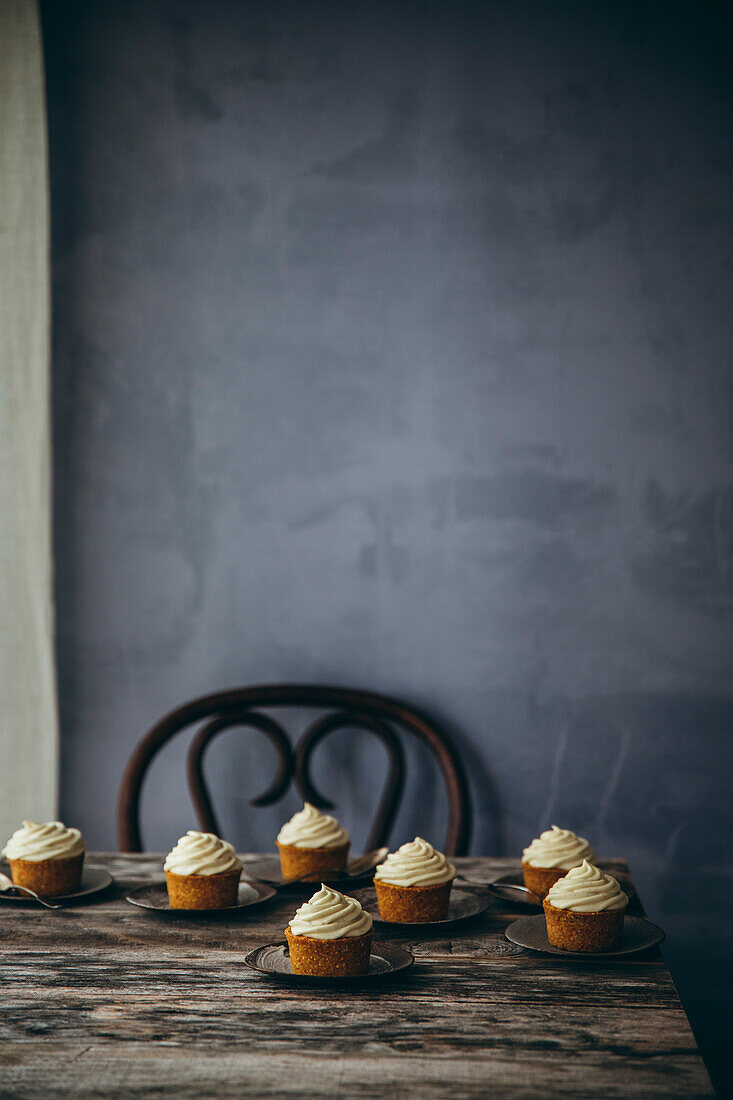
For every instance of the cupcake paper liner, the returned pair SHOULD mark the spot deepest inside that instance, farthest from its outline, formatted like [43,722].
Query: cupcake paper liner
[48,877]
[413,904]
[296,862]
[589,932]
[344,958]
[202,891]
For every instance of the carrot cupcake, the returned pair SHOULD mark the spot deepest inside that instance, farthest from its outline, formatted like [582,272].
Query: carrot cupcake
[46,858]
[414,883]
[585,910]
[312,843]
[202,872]
[551,856]
[330,936]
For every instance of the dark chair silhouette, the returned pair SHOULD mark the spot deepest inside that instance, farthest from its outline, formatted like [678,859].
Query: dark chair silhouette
[346,709]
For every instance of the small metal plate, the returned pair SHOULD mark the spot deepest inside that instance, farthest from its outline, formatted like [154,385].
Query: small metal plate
[155,898]
[273,959]
[506,888]
[93,881]
[464,905]
[267,869]
[638,934]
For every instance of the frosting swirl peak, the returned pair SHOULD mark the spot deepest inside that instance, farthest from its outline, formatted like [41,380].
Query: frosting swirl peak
[330,915]
[309,828]
[415,864]
[202,854]
[559,848]
[35,842]
[586,889]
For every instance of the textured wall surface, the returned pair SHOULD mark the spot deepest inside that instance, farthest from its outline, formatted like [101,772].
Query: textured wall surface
[392,350]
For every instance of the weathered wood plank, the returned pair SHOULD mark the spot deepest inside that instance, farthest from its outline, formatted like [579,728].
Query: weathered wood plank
[106,1000]
[98,977]
[141,933]
[154,1070]
[224,1014]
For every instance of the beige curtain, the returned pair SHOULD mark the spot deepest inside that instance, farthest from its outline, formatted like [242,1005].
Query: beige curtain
[28,723]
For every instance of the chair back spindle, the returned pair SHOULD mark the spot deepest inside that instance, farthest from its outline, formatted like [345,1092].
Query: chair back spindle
[346,708]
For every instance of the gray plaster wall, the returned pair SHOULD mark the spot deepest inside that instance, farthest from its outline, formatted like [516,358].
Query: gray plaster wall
[392,350]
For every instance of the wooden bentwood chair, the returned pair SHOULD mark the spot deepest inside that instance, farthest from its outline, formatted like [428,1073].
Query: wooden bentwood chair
[347,709]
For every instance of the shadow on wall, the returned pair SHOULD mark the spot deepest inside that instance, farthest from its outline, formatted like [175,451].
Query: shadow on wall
[641,775]
[484,799]
[691,548]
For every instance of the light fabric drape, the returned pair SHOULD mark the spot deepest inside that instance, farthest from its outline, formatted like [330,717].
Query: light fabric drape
[28,722]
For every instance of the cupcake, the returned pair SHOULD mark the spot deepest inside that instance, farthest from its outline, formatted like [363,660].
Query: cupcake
[312,843]
[584,911]
[202,872]
[330,936]
[551,856]
[414,883]
[46,858]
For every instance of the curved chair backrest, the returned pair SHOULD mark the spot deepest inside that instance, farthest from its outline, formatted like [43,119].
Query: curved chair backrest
[346,709]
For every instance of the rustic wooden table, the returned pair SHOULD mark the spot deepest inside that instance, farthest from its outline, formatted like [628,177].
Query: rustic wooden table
[104,999]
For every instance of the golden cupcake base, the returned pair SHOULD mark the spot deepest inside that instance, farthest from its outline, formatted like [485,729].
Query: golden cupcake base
[540,879]
[51,878]
[413,904]
[344,958]
[588,932]
[297,862]
[203,891]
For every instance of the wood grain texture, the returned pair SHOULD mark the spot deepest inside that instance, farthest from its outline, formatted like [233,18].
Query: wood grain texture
[106,1000]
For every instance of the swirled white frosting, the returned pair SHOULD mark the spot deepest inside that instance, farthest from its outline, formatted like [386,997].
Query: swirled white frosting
[202,854]
[330,915]
[309,828]
[586,889]
[559,848]
[415,864]
[35,842]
